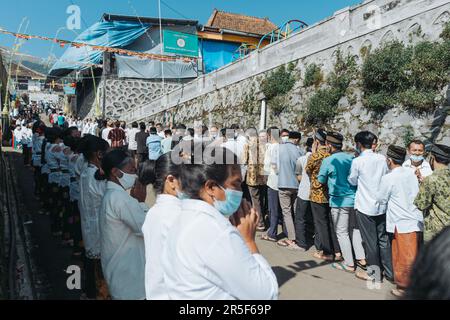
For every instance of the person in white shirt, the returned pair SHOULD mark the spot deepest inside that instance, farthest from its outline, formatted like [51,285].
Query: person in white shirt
[164,175]
[236,143]
[132,143]
[121,218]
[416,162]
[213,133]
[38,139]
[123,126]
[404,221]
[92,190]
[18,136]
[303,220]
[93,128]
[272,185]
[366,172]
[86,127]
[160,130]
[106,131]
[211,251]
[27,144]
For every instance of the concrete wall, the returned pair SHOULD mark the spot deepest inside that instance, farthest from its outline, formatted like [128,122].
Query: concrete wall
[229,95]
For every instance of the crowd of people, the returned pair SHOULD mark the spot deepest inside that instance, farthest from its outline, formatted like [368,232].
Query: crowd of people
[214,188]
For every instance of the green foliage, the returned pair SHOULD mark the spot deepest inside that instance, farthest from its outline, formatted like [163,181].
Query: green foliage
[385,69]
[249,105]
[278,104]
[408,135]
[446,32]
[378,102]
[278,82]
[313,75]
[411,76]
[418,100]
[322,106]
[428,69]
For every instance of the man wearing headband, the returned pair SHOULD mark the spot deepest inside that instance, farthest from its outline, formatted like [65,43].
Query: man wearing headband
[434,193]
[404,221]
[366,173]
[329,246]
[416,161]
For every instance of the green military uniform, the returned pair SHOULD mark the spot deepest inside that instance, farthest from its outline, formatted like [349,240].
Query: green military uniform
[434,200]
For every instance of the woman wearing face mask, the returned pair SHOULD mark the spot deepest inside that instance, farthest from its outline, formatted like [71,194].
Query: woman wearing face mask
[92,190]
[211,251]
[121,220]
[165,177]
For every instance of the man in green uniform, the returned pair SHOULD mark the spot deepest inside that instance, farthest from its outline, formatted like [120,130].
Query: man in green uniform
[434,193]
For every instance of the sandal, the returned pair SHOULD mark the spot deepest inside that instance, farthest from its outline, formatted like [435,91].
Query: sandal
[282,243]
[267,238]
[260,228]
[399,293]
[362,266]
[320,255]
[342,266]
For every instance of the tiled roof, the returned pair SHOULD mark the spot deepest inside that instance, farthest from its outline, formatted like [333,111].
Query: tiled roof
[238,22]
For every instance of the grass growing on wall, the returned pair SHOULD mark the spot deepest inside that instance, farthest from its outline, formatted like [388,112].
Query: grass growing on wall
[322,106]
[410,76]
[313,76]
[276,85]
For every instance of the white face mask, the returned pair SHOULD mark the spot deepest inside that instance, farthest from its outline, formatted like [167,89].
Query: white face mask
[127,181]
[285,139]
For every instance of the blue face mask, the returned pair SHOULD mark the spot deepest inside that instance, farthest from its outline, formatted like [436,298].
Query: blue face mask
[416,158]
[182,195]
[358,149]
[231,204]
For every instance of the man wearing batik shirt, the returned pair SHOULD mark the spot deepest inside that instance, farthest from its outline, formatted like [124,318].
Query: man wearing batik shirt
[434,193]
[319,201]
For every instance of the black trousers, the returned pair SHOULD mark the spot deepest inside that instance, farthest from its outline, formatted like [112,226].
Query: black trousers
[305,235]
[323,225]
[26,155]
[258,196]
[142,157]
[377,245]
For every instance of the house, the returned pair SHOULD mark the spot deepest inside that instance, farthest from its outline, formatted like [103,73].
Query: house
[114,82]
[228,36]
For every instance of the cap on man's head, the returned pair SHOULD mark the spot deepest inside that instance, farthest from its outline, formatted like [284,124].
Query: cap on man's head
[396,153]
[441,151]
[334,138]
[320,135]
[295,135]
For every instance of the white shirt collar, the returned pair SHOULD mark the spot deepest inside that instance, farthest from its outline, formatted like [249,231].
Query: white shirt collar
[114,186]
[424,164]
[367,151]
[200,205]
[166,198]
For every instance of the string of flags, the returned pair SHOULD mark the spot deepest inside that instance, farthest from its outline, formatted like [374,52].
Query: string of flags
[63,43]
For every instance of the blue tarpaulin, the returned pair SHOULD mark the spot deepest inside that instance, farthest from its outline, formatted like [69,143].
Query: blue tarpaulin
[115,34]
[217,54]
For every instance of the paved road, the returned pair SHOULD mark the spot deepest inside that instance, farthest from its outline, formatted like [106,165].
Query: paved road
[301,276]
[51,258]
